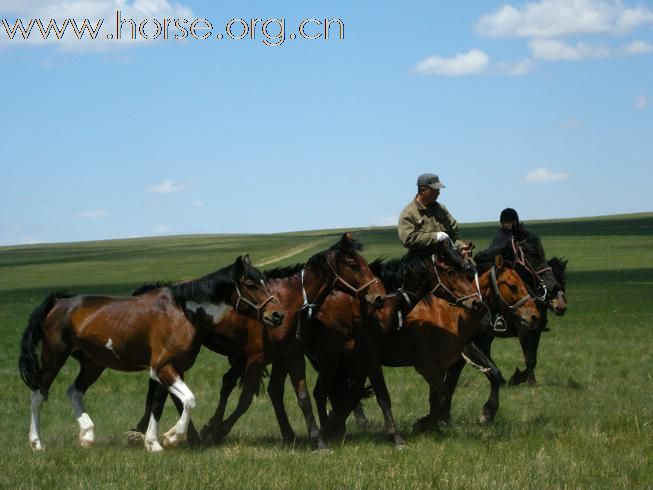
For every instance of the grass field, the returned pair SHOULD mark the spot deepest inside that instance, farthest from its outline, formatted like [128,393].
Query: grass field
[589,423]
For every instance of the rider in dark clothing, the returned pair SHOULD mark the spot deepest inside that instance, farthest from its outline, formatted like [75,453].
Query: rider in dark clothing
[510,227]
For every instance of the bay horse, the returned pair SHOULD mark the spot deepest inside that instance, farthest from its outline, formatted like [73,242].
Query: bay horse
[342,333]
[546,282]
[435,335]
[304,289]
[152,331]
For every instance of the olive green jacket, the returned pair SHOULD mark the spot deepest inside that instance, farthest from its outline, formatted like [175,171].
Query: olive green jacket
[418,225]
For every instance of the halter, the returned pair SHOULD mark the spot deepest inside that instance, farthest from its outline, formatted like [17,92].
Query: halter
[257,308]
[338,279]
[311,306]
[458,300]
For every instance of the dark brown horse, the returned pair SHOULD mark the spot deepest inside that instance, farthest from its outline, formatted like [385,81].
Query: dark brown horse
[435,335]
[151,331]
[303,290]
[343,332]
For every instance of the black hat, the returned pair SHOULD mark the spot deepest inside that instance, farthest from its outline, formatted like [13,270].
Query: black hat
[509,214]
[431,180]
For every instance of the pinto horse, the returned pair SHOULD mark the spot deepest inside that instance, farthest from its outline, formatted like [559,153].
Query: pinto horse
[152,331]
[302,289]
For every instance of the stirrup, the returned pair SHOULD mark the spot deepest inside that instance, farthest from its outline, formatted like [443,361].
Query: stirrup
[499,324]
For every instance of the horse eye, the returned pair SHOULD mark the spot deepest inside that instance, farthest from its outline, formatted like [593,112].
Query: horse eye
[513,289]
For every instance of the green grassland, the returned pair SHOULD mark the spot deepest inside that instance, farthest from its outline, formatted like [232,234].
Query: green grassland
[589,423]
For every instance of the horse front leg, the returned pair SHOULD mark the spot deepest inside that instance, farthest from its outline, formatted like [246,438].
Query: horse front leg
[252,380]
[229,382]
[176,386]
[529,341]
[297,372]
[276,388]
[481,360]
[383,399]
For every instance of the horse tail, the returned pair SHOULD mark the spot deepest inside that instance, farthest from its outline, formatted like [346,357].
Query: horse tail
[28,362]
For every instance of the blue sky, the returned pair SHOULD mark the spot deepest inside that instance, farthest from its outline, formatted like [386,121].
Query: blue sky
[545,106]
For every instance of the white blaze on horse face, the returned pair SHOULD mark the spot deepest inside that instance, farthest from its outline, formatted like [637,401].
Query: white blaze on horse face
[35,422]
[216,312]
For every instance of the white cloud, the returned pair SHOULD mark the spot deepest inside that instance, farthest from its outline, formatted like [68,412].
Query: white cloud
[641,101]
[197,203]
[554,50]
[168,187]
[160,230]
[93,10]
[473,62]
[546,175]
[638,47]
[558,18]
[93,214]
[519,68]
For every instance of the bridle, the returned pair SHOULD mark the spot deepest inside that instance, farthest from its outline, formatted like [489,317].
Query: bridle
[337,279]
[457,300]
[495,287]
[520,259]
[258,308]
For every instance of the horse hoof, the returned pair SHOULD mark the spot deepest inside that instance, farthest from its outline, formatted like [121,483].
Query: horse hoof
[36,445]
[153,447]
[87,443]
[322,450]
[398,442]
[485,419]
[172,439]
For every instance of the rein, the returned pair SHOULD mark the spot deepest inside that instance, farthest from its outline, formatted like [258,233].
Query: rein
[495,286]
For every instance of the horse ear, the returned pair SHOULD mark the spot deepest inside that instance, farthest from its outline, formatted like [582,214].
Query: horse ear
[498,261]
[247,261]
[239,267]
[346,238]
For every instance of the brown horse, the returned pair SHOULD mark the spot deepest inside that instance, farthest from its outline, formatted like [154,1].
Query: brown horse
[132,334]
[343,332]
[435,335]
[302,289]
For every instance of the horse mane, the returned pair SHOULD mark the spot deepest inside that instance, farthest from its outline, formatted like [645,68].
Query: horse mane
[151,286]
[204,289]
[392,271]
[558,266]
[345,247]
[283,272]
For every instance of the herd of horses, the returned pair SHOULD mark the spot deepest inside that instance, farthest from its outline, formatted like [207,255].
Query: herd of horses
[348,317]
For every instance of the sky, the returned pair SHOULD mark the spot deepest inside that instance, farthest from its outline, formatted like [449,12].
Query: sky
[545,106]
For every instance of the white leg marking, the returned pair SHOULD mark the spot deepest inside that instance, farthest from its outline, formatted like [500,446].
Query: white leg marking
[215,311]
[154,376]
[177,434]
[151,442]
[35,422]
[86,426]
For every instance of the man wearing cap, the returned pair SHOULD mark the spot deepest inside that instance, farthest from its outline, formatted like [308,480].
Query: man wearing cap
[424,221]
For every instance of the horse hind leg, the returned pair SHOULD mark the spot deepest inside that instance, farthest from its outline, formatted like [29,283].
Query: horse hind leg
[54,357]
[88,374]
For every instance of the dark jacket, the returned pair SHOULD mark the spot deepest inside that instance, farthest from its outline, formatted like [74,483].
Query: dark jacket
[501,244]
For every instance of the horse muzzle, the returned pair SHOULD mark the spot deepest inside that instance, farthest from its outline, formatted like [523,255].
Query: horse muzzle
[376,301]
[273,319]
[559,304]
